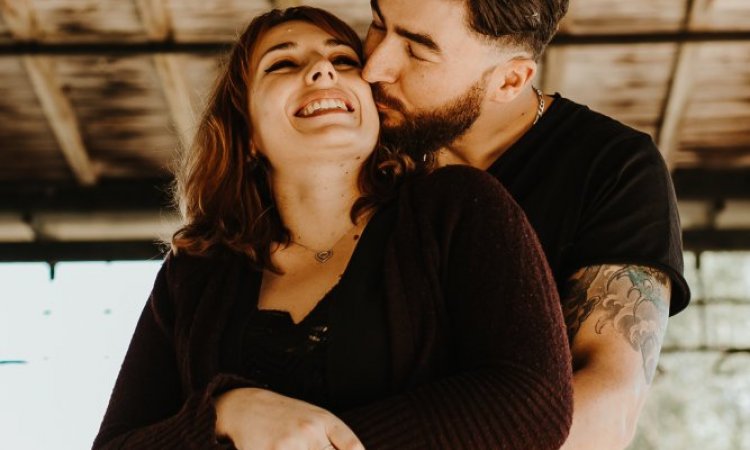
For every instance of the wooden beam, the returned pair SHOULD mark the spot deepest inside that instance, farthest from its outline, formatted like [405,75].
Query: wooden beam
[178,94]
[710,239]
[221,46]
[141,250]
[20,18]
[679,88]
[158,25]
[109,195]
[156,19]
[61,117]
[706,184]
[678,91]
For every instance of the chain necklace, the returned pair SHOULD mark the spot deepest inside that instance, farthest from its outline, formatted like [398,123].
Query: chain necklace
[540,100]
[323,256]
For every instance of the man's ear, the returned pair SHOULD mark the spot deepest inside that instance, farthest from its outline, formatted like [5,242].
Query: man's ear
[510,78]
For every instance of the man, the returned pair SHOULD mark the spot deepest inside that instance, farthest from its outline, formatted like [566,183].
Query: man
[452,78]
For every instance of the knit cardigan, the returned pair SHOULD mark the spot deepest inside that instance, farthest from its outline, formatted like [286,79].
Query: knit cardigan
[479,354]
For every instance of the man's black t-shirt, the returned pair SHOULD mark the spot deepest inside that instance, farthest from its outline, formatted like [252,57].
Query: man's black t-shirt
[597,192]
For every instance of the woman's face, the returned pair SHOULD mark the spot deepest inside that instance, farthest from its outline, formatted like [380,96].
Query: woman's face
[308,102]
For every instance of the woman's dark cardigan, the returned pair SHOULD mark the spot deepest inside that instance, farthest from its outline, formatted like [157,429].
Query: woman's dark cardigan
[479,353]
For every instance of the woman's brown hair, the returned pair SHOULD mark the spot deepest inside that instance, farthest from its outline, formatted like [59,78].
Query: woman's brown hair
[221,187]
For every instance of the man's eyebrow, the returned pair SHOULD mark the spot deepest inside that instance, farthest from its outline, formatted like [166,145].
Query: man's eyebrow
[419,38]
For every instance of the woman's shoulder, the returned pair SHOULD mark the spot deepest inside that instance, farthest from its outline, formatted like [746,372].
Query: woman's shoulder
[181,266]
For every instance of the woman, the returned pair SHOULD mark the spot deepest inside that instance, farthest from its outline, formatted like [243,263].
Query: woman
[326,294]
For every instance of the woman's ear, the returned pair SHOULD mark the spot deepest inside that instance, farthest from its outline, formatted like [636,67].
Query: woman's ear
[510,78]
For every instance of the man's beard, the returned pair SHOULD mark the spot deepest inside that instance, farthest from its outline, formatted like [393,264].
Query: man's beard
[424,133]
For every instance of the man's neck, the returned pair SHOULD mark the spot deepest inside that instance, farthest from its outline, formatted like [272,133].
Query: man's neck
[496,130]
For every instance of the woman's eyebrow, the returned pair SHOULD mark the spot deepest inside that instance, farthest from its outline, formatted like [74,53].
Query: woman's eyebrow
[278,47]
[332,42]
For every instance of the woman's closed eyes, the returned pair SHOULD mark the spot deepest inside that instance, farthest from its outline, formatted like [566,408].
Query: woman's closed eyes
[337,61]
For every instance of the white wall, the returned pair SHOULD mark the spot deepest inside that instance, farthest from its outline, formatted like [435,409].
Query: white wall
[701,395]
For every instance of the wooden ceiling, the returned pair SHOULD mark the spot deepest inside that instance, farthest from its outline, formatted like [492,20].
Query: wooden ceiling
[96,95]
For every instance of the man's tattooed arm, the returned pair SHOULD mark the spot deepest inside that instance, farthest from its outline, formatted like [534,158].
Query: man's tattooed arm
[632,300]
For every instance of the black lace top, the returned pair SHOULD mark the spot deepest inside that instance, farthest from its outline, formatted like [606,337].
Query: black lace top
[267,347]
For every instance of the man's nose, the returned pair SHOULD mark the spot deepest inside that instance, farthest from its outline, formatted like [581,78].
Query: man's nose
[380,66]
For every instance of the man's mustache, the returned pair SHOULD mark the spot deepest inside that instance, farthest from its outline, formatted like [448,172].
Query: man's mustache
[378,93]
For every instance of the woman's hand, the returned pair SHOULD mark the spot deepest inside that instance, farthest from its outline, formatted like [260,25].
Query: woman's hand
[259,419]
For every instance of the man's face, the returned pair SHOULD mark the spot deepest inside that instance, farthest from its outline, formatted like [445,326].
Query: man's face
[428,71]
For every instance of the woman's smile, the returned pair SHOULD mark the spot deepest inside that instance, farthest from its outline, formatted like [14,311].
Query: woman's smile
[325,102]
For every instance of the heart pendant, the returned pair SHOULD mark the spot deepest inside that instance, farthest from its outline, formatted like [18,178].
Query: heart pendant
[324,256]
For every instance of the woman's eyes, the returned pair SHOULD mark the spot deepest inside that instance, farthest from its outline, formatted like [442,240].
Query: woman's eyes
[341,60]
[344,60]
[283,64]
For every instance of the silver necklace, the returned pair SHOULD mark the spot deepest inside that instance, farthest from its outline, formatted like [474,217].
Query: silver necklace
[540,100]
[323,256]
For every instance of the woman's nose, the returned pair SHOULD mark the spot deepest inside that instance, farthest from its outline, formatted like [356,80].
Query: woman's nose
[322,72]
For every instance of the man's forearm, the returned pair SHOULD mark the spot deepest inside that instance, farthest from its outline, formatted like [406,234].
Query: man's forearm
[605,415]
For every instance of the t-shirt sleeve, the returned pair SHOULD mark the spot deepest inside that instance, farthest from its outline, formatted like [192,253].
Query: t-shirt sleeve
[629,215]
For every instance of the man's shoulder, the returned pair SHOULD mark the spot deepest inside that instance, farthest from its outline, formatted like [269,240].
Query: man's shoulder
[580,122]
[574,139]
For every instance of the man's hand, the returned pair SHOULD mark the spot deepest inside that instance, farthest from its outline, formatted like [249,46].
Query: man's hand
[616,317]
[260,419]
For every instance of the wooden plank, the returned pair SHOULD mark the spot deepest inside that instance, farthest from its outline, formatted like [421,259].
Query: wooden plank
[213,20]
[61,117]
[83,21]
[617,16]
[156,19]
[627,82]
[677,98]
[720,15]
[178,95]
[714,130]
[28,148]
[20,18]
[281,4]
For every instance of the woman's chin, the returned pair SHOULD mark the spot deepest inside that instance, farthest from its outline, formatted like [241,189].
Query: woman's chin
[335,136]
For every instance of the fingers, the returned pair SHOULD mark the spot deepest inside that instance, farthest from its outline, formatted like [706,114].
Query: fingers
[258,419]
[341,436]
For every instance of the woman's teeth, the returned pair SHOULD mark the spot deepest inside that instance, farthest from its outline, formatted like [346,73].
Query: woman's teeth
[322,106]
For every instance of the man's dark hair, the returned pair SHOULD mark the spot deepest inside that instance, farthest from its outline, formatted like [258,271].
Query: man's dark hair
[529,24]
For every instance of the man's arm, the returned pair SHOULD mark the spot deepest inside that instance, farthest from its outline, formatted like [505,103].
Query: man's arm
[616,317]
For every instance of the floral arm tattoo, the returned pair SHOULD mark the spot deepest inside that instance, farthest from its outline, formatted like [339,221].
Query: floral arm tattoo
[631,299]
